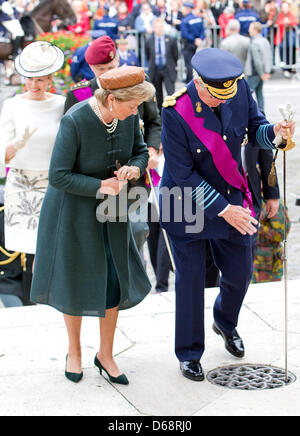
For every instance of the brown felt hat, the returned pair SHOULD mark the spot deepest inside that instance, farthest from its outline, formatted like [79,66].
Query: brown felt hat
[122,77]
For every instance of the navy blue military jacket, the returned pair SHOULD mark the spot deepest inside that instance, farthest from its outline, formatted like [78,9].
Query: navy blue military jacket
[192,27]
[189,164]
[80,69]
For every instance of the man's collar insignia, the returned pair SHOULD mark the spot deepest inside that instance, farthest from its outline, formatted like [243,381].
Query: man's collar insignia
[198,107]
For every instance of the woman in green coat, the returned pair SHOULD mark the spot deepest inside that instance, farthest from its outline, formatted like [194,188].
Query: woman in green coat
[84,267]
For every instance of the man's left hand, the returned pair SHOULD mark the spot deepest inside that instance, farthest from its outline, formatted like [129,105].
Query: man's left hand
[272,206]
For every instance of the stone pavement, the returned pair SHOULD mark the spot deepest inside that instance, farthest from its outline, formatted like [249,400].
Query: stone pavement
[34,343]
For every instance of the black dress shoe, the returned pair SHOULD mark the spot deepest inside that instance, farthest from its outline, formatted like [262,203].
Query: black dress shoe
[73,376]
[233,343]
[121,379]
[192,369]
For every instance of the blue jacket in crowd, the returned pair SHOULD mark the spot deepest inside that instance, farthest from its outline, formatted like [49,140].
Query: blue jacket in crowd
[109,25]
[79,67]
[246,17]
[192,27]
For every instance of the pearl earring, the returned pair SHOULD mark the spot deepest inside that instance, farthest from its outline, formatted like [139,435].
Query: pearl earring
[110,108]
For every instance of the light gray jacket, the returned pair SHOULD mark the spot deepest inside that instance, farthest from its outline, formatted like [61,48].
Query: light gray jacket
[259,60]
[238,45]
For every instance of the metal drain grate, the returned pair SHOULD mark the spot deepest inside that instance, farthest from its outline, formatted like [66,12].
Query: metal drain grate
[250,377]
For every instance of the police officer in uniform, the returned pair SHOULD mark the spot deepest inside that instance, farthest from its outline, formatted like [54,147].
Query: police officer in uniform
[203,127]
[246,16]
[108,24]
[101,56]
[192,34]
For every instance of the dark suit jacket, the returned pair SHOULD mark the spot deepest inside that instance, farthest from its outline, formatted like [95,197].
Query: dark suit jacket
[171,56]
[259,162]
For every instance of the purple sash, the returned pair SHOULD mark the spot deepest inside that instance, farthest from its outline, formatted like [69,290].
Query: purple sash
[214,142]
[83,93]
[155,178]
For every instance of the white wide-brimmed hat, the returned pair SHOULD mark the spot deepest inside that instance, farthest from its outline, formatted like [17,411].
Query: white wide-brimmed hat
[38,59]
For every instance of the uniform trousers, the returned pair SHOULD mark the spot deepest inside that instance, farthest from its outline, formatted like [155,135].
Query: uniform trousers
[161,77]
[188,51]
[158,251]
[256,85]
[235,264]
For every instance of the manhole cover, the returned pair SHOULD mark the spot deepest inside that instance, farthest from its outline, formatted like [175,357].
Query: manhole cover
[250,377]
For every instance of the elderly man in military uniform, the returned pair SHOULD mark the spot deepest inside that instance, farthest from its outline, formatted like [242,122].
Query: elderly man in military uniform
[203,128]
[102,56]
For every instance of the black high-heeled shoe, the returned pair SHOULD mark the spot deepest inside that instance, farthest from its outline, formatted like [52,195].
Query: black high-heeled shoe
[122,379]
[73,376]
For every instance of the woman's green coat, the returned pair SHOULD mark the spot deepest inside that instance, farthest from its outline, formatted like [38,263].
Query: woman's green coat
[70,271]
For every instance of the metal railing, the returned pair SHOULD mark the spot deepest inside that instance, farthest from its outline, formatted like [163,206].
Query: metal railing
[286,55]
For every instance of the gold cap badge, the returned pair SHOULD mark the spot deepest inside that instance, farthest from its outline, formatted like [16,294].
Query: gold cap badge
[228,83]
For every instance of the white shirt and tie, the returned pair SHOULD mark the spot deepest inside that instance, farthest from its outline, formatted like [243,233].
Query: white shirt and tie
[160,51]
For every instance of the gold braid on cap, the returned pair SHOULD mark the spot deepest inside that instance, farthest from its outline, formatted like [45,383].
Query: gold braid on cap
[223,94]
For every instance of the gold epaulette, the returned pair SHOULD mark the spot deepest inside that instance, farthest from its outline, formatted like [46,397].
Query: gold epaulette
[79,85]
[170,100]
[11,257]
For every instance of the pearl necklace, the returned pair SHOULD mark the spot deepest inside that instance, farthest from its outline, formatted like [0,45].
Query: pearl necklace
[110,127]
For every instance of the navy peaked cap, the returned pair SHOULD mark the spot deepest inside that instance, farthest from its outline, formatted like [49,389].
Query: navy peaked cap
[217,65]
[218,70]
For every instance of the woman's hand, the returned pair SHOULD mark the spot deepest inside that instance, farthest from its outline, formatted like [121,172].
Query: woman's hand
[10,153]
[127,173]
[240,219]
[112,186]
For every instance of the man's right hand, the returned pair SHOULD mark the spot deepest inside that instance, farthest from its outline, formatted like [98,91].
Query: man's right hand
[240,219]
[153,158]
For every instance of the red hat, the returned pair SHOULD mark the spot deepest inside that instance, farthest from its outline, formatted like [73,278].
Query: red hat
[101,51]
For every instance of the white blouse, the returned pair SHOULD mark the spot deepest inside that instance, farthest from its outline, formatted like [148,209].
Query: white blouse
[18,114]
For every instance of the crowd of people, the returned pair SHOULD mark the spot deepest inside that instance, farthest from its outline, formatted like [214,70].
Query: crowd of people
[197,24]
